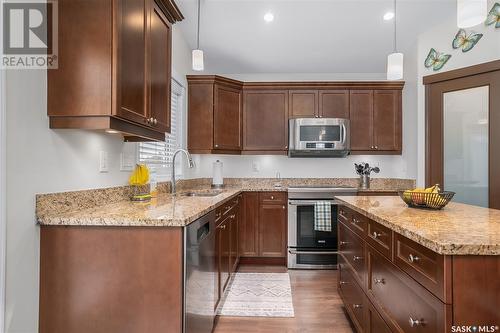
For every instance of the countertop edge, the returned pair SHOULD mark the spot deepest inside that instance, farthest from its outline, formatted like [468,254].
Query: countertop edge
[443,249]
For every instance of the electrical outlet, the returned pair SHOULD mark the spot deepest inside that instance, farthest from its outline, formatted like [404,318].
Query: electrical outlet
[127,161]
[103,161]
[255,167]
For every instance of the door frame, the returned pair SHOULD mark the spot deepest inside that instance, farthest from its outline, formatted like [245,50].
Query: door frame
[487,74]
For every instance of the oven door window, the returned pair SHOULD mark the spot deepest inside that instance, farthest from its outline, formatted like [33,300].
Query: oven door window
[307,237]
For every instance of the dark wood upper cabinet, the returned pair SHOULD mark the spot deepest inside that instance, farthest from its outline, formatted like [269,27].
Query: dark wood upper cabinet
[161,69]
[132,71]
[361,115]
[227,118]
[265,122]
[376,125]
[334,103]
[214,115]
[374,109]
[116,74]
[387,120]
[303,103]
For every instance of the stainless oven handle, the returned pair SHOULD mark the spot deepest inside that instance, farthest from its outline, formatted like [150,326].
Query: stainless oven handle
[312,252]
[310,202]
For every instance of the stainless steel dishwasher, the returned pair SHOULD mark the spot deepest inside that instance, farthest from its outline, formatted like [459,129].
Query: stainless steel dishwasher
[200,275]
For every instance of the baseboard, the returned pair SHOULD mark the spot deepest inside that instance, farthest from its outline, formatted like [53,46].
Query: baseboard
[263,261]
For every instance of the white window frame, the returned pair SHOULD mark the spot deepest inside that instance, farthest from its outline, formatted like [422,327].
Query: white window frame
[164,173]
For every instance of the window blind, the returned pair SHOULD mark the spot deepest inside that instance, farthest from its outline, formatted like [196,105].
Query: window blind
[159,154]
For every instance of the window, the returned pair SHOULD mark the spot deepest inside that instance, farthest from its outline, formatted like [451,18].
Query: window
[158,155]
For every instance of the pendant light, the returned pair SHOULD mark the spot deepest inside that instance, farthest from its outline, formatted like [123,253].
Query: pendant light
[198,64]
[471,12]
[395,59]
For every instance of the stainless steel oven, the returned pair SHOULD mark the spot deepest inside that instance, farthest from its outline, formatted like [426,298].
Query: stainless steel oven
[307,247]
[319,137]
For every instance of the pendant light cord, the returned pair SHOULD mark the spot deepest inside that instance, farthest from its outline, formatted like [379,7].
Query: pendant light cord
[198,33]
[395,28]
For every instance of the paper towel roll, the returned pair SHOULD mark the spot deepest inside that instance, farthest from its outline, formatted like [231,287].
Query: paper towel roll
[217,179]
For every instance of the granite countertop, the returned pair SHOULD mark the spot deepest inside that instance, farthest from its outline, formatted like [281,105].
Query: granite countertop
[164,210]
[457,229]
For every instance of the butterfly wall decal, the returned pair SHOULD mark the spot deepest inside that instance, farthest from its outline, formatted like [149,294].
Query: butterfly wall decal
[466,41]
[494,16]
[436,60]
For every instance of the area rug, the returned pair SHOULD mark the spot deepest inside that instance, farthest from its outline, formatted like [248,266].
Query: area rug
[259,295]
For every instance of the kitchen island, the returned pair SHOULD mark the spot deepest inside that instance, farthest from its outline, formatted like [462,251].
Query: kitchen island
[412,270]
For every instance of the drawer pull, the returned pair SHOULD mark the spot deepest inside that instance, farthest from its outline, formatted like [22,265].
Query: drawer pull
[412,258]
[343,243]
[233,216]
[379,281]
[357,306]
[272,197]
[376,234]
[355,258]
[416,322]
[355,220]
[284,207]
[343,282]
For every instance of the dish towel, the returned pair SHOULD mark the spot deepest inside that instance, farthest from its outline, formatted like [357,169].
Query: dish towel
[323,216]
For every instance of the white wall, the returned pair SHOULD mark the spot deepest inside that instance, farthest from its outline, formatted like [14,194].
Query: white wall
[41,160]
[403,166]
[440,38]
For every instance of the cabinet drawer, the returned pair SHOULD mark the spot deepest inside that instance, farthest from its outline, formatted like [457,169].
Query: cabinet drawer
[380,238]
[352,295]
[344,215]
[373,321]
[358,223]
[427,267]
[273,197]
[352,248]
[410,306]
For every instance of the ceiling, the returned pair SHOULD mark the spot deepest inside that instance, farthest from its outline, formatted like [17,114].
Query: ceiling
[306,36]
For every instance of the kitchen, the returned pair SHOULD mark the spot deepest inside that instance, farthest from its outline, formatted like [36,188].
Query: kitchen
[78,255]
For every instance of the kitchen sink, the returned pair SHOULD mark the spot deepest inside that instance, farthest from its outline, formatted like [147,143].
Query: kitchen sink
[202,194]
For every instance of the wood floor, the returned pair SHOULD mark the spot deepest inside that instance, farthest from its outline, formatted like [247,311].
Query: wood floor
[317,305]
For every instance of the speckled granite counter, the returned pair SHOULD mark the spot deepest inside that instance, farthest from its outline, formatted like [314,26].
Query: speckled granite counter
[458,229]
[111,207]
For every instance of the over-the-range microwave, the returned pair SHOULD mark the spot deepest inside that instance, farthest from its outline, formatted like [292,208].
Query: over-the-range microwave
[319,137]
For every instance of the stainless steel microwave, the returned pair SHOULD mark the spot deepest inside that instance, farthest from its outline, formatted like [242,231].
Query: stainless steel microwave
[319,137]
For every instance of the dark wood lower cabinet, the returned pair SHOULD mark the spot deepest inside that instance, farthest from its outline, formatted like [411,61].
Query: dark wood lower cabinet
[406,287]
[110,279]
[263,229]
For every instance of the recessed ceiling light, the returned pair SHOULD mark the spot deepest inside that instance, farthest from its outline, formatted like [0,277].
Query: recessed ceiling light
[269,17]
[388,16]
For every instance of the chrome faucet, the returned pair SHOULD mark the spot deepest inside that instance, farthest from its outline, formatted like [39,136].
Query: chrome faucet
[190,164]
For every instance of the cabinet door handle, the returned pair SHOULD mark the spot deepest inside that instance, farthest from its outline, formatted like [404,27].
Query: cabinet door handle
[357,306]
[376,234]
[155,121]
[376,147]
[379,281]
[233,216]
[412,258]
[416,322]
[284,207]
[343,243]
[272,197]
[356,258]
[343,282]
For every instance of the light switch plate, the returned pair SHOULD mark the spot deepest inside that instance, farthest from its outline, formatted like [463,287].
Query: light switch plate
[103,161]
